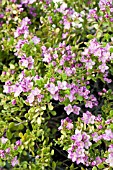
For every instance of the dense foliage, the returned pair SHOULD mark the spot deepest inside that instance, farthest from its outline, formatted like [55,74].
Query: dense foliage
[56,89]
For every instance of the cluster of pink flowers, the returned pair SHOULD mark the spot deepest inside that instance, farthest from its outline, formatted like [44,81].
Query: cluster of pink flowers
[107,136]
[109,160]
[92,14]
[4,153]
[66,123]
[88,118]
[27,1]
[97,161]
[69,109]
[25,85]
[96,53]
[65,70]
[70,18]
[35,96]
[78,151]
[19,45]
[104,5]
[27,62]
[23,29]
[90,100]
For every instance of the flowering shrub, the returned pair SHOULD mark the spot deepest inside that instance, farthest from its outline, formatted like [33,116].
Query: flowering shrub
[56,64]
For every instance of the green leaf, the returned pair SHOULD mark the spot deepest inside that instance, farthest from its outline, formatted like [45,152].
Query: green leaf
[111,50]
[80,98]
[111,113]
[52,152]
[100,166]
[64,76]
[40,82]
[43,107]
[11,125]
[18,119]
[4,2]
[99,34]
[38,33]
[11,41]
[72,167]
[67,91]
[106,36]
[25,47]
[53,165]
[9,134]
[19,127]
[25,165]
[89,77]
[90,36]
[48,44]
[39,120]
[53,113]
[50,107]
[94,168]
[33,72]
[111,127]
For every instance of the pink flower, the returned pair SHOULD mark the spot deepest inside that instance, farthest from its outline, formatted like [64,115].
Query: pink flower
[109,160]
[32,1]
[88,118]
[47,57]
[62,85]
[80,160]
[92,14]
[1,15]
[37,156]
[77,137]
[34,96]
[17,89]
[89,104]
[55,96]
[73,156]
[2,154]
[30,98]
[64,35]
[89,64]
[66,123]
[4,140]
[7,87]
[36,91]
[14,161]
[76,110]
[52,88]
[27,62]
[68,109]
[18,142]
[80,152]
[13,102]
[108,135]
[8,150]
[95,137]
[110,148]
[36,40]
[103,67]
[104,3]
[68,71]
[71,97]
[87,144]
[67,24]
[98,160]
[69,126]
